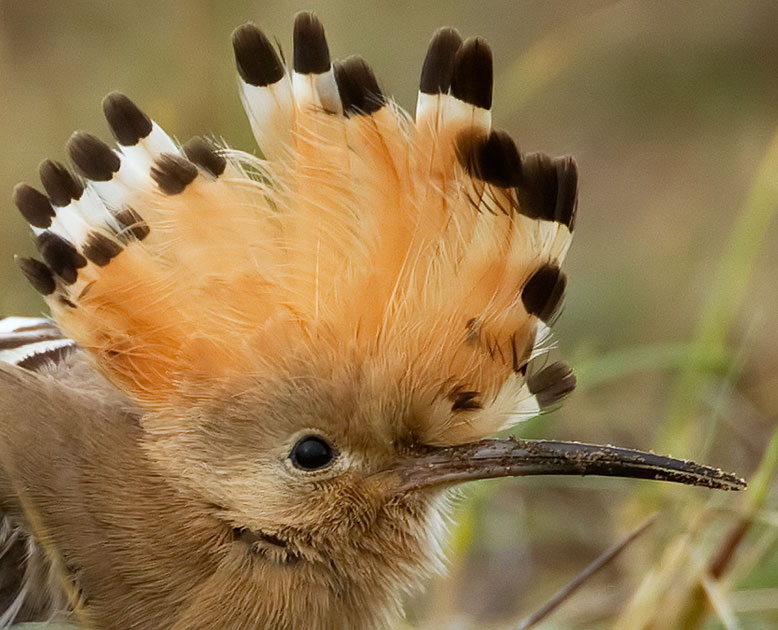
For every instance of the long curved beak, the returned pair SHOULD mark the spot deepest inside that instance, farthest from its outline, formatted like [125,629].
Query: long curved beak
[487,459]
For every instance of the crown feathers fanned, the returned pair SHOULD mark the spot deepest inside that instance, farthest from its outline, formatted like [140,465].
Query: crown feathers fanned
[433,245]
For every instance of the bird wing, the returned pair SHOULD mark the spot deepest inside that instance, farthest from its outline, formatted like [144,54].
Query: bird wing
[29,588]
[35,358]
[33,343]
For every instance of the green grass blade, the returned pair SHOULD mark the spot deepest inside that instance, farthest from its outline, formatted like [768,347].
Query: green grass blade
[728,293]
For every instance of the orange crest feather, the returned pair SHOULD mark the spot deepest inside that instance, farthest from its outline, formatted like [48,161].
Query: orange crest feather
[432,246]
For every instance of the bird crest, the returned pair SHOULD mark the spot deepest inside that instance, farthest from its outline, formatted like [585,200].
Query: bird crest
[427,249]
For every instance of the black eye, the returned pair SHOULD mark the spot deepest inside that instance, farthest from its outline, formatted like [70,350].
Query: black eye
[311,452]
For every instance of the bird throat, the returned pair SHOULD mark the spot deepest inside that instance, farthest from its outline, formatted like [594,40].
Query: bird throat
[265,544]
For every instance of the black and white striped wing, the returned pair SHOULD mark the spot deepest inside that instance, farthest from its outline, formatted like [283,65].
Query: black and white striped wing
[33,343]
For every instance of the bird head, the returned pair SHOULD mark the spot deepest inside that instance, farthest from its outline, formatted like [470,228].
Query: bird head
[324,338]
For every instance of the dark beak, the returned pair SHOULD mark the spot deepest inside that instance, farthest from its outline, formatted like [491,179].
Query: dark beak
[487,459]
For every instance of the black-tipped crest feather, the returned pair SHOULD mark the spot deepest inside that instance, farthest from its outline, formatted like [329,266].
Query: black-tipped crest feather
[464,400]
[93,157]
[100,249]
[258,61]
[34,205]
[311,53]
[543,292]
[60,185]
[173,173]
[134,225]
[60,256]
[567,191]
[127,122]
[203,153]
[551,384]
[493,159]
[358,87]
[37,274]
[472,78]
[438,68]
[548,188]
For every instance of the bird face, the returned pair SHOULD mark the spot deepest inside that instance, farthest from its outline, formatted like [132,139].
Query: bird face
[302,467]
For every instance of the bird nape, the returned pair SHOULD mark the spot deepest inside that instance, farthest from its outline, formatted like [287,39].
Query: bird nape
[265,374]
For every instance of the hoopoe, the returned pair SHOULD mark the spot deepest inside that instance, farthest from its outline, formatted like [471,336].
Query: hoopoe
[265,374]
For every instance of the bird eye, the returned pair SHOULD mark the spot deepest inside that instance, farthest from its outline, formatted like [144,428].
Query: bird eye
[311,453]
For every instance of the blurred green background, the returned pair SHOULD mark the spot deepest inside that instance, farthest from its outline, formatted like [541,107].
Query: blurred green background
[670,319]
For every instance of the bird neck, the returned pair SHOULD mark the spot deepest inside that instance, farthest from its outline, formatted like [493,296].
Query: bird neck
[243,595]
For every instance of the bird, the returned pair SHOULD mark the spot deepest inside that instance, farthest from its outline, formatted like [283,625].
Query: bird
[264,374]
